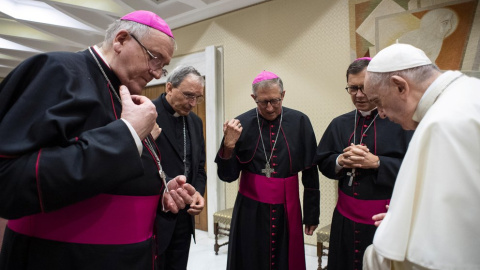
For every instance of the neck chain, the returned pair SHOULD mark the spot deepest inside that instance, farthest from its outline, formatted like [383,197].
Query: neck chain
[268,171]
[184,148]
[355,127]
[147,140]
[352,174]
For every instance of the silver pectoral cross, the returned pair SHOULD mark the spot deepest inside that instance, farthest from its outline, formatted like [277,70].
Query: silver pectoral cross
[268,171]
[352,175]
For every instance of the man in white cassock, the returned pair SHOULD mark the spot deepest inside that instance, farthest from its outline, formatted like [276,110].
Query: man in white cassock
[431,222]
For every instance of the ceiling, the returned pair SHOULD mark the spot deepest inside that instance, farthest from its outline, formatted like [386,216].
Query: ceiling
[30,27]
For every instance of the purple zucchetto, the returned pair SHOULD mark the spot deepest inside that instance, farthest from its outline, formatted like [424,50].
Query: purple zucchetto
[263,76]
[149,18]
[363,58]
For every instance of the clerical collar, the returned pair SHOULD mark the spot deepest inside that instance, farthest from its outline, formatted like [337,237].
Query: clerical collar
[99,52]
[433,92]
[168,107]
[367,113]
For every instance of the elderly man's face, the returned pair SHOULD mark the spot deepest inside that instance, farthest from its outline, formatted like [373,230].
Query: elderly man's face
[133,67]
[264,98]
[185,97]
[389,103]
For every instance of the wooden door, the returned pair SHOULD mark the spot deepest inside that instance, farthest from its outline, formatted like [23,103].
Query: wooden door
[152,92]
[3,223]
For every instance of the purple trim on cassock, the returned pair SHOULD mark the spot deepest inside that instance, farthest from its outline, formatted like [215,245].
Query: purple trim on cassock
[360,211]
[280,191]
[103,219]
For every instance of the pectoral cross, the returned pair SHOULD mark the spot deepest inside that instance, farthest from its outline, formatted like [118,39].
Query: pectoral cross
[268,171]
[352,175]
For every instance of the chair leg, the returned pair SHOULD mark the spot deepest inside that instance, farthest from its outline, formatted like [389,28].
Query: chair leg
[319,254]
[215,231]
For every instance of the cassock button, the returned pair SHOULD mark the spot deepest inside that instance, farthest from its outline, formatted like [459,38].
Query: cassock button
[273,133]
[274,156]
[357,231]
[365,126]
[356,241]
[364,135]
[271,126]
[274,164]
[355,184]
[355,194]
[273,256]
[273,234]
[274,210]
[356,251]
[273,218]
[273,226]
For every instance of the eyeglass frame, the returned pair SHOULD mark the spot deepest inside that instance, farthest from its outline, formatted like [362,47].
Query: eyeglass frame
[264,103]
[356,91]
[189,97]
[152,57]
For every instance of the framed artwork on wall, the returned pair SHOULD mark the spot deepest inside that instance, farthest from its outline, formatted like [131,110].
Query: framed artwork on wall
[447,30]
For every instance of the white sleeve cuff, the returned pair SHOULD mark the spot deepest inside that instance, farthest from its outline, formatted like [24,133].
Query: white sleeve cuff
[337,166]
[135,136]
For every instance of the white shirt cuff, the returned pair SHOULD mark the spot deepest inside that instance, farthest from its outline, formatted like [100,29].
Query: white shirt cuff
[337,166]
[135,136]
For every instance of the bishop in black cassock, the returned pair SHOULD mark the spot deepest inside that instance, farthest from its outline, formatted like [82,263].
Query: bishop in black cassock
[183,153]
[362,192]
[78,189]
[261,233]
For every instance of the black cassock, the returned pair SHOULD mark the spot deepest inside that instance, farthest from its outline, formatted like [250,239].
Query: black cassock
[62,142]
[252,243]
[385,139]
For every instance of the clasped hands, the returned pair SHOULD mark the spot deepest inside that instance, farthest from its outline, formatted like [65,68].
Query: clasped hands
[179,195]
[358,156]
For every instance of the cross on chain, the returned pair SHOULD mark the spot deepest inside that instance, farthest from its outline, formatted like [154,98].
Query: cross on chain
[268,171]
[352,175]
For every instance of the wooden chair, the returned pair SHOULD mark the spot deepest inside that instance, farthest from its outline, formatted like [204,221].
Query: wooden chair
[323,236]
[221,226]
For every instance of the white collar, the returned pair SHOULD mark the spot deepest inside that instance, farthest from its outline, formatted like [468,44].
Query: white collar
[433,92]
[99,52]
[367,112]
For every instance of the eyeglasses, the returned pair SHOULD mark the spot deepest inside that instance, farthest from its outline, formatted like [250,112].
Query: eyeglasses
[352,90]
[154,63]
[274,102]
[191,97]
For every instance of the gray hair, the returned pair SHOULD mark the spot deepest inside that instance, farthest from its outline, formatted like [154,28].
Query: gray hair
[266,83]
[417,75]
[137,29]
[180,73]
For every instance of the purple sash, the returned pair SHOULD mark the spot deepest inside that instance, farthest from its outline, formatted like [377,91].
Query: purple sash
[280,191]
[360,211]
[103,219]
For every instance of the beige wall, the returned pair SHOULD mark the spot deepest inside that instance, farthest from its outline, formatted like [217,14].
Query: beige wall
[305,42]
